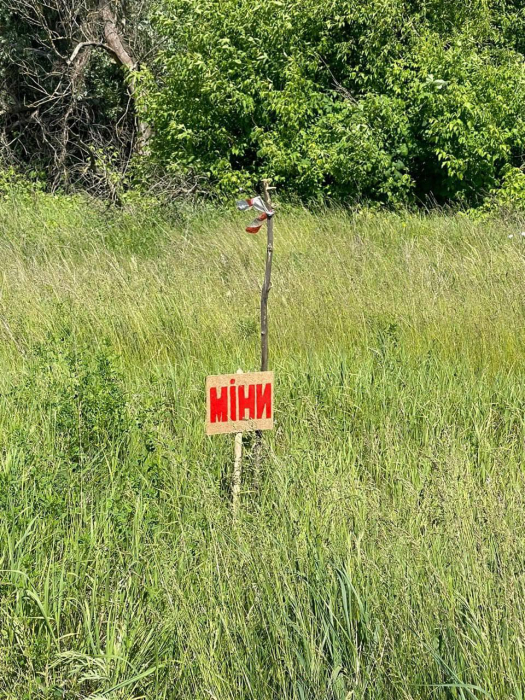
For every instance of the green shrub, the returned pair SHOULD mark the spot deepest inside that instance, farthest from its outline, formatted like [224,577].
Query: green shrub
[13,182]
[509,198]
[80,397]
[348,101]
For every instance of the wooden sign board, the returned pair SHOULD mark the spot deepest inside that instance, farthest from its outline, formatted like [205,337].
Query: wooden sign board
[236,403]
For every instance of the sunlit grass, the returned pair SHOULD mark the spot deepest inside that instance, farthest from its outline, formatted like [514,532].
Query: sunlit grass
[383,553]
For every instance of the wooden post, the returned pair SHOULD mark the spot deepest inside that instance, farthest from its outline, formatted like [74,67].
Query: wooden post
[237,472]
[267,284]
[265,291]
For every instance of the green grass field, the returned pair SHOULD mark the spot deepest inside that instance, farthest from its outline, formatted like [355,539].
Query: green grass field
[380,554]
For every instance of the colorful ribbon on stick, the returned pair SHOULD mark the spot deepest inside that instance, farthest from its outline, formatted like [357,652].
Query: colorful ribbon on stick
[258,204]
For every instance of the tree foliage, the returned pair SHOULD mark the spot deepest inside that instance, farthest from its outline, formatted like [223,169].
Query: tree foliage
[395,101]
[390,100]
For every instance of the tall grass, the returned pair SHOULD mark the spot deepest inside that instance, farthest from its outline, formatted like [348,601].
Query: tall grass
[380,555]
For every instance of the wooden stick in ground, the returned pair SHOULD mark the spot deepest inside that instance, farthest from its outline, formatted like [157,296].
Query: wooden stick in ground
[267,285]
[237,472]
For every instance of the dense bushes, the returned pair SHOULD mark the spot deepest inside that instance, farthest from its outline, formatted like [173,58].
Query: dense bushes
[386,100]
[396,101]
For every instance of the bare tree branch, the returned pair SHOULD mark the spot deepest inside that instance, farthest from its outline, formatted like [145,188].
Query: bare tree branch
[112,35]
[84,44]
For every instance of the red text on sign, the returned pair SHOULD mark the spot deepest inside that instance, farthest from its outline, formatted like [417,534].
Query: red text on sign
[243,402]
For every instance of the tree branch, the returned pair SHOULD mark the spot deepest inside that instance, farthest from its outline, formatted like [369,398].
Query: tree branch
[112,35]
[84,44]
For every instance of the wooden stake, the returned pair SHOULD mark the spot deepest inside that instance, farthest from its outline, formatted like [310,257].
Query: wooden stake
[265,291]
[267,284]
[237,472]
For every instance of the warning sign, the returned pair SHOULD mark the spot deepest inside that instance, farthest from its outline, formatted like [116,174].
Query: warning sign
[236,403]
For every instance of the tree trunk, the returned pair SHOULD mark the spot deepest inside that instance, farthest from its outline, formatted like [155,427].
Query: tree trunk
[114,42]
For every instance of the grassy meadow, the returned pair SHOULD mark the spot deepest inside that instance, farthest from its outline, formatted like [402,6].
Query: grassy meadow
[380,552]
